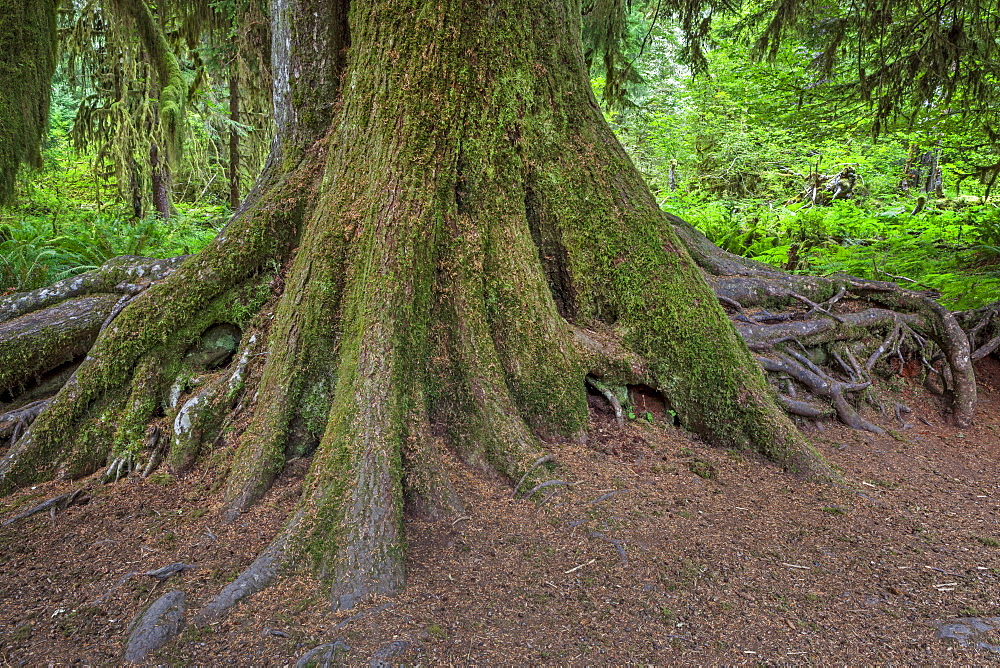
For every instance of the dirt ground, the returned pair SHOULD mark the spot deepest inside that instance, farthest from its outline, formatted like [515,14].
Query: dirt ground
[662,550]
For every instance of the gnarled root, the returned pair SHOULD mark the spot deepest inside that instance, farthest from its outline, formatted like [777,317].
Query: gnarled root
[843,318]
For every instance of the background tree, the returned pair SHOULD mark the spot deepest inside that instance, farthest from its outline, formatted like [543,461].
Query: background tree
[27,37]
[142,99]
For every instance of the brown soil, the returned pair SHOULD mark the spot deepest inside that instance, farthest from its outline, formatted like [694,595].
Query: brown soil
[663,550]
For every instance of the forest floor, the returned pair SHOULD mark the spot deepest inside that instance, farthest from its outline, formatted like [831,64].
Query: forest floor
[663,551]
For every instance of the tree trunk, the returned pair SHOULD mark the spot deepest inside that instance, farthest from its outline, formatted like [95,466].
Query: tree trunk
[234,142]
[447,240]
[159,176]
[28,45]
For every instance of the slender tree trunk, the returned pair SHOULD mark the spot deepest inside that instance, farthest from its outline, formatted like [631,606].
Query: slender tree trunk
[159,176]
[135,190]
[234,143]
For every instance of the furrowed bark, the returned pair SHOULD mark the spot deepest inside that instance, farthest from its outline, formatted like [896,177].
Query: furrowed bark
[298,379]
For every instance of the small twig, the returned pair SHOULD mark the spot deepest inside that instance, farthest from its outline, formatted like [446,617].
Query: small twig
[806,568]
[576,568]
[904,278]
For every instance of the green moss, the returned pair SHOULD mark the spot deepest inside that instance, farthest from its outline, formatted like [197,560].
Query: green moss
[172,89]
[28,44]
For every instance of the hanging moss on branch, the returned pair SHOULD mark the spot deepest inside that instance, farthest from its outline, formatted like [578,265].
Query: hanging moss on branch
[172,91]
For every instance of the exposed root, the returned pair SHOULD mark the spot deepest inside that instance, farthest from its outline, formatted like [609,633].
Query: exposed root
[118,469]
[156,445]
[538,462]
[37,342]
[805,408]
[847,318]
[542,485]
[820,384]
[610,396]
[13,423]
[168,571]
[121,275]
[256,577]
[77,497]
[618,545]
[983,328]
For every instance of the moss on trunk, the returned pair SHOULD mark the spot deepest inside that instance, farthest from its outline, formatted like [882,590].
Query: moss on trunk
[28,45]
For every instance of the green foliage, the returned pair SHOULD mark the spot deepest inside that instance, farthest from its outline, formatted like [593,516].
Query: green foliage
[68,219]
[34,254]
[55,231]
[955,253]
[731,152]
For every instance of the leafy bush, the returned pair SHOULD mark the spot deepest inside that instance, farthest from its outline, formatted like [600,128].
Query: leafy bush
[34,252]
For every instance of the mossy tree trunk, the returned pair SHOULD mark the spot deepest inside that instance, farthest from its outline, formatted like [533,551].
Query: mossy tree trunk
[446,241]
[28,45]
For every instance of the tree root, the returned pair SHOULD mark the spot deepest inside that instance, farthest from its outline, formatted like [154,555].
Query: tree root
[256,577]
[77,497]
[121,275]
[846,318]
[542,485]
[538,462]
[13,423]
[821,385]
[610,396]
[983,328]
[118,469]
[156,445]
[618,545]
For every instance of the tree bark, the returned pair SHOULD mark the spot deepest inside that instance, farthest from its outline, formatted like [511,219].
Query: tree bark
[159,176]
